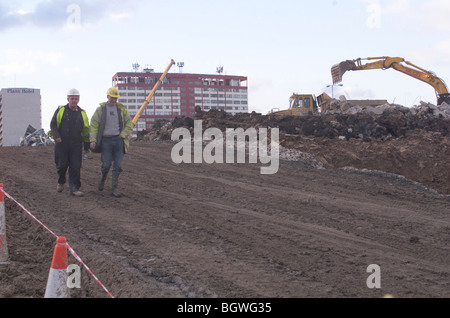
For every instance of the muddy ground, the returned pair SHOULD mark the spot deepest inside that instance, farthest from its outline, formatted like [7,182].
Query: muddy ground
[338,204]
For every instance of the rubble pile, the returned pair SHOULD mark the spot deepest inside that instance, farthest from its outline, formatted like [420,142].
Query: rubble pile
[342,106]
[33,137]
[343,120]
[410,142]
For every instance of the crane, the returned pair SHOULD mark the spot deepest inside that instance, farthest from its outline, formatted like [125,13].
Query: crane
[150,95]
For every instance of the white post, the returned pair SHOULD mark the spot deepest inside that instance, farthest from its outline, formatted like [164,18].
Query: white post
[3,246]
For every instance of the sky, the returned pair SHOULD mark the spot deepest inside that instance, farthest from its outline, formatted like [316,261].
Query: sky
[282,46]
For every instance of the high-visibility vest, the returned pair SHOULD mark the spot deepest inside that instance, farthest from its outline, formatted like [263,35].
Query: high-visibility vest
[85,132]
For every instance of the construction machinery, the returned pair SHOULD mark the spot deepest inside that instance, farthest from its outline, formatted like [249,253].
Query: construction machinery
[303,105]
[150,95]
[397,63]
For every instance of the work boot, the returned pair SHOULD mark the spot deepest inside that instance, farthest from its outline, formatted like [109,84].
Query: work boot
[77,193]
[101,184]
[115,184]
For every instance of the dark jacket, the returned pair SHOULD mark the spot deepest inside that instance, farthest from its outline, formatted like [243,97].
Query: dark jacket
[61,128]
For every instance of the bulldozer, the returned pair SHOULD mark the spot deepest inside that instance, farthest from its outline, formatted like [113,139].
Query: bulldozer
[397,63]
[303,105]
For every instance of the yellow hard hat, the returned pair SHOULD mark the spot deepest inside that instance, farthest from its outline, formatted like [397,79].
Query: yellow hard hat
[113,92]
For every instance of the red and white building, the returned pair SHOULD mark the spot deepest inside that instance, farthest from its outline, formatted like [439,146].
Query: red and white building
[179,94]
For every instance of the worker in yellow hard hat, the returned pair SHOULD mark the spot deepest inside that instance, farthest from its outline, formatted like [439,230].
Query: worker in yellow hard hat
[113,92]
[111,126]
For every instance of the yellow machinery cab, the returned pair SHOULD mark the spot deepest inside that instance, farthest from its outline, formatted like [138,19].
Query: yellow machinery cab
[304,105]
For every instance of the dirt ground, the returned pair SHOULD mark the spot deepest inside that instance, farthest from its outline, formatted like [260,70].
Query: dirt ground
[226,231]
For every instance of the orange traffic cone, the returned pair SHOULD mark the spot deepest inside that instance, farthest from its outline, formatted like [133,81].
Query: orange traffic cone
[3,246]
[57,278]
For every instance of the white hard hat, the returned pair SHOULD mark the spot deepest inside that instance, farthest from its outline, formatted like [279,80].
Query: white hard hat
[73,92]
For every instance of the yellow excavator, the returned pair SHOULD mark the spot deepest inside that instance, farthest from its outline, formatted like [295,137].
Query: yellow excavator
[303,105]
[397,63]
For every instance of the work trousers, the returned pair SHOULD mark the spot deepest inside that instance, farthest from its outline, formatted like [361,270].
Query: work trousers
[112,154]
[69,156]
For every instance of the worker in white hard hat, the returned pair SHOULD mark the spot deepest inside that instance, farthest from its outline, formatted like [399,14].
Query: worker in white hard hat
[70,130]
[111,127]
[74,93]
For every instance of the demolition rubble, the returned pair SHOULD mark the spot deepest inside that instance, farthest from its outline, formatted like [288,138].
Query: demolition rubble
[341,120]
[34,137]
[412,142]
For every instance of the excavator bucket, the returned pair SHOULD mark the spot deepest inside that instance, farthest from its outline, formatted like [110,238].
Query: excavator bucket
[444,98]
[338,70]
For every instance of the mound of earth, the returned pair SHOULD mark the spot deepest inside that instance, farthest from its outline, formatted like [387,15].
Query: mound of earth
[412,142]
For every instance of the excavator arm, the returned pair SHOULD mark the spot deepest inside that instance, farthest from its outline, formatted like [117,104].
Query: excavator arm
[397,63]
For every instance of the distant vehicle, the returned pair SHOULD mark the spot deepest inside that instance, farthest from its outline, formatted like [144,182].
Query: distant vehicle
[304,105]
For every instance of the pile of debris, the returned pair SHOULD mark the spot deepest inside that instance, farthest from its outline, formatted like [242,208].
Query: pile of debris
[343,121]
[342,106]
[440,111]
[33,137]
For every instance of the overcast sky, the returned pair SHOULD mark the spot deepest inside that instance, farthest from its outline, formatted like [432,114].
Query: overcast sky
[283,46]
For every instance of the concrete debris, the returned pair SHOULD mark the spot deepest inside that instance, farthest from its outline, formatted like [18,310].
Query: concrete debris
[345,107]
[423,109]
[33,137]
[300,156]
[344,121]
